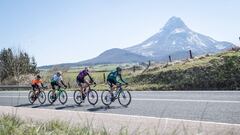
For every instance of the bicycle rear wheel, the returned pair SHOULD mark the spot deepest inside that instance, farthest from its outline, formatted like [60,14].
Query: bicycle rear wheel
[124,98]
[31,97]
[92,97]
[77,96]
[63,97]
[106,97]
[42,97]
[51,97]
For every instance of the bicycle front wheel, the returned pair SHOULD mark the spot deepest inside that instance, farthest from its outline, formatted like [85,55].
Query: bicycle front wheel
[106,97]
[124,98]
[31,97]
[92,97]
[63,97]
[77,96]
[42,97]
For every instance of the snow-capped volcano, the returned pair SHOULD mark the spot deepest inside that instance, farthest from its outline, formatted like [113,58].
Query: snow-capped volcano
[175,39]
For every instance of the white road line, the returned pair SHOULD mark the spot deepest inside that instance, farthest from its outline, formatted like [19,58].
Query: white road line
[186,100]
[130,116]
[152,99]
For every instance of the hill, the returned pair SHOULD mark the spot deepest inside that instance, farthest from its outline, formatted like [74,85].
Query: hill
[217,72]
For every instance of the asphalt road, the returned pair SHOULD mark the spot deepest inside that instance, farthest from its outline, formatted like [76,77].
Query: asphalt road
[214,106]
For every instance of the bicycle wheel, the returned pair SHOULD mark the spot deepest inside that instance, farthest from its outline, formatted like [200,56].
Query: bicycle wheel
[77,96]
[51,97]
[106,97]
[42,97]
[124,98]
[63,97]
[31,97]
[92,97]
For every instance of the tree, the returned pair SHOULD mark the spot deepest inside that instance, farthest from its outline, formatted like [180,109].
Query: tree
[13,65]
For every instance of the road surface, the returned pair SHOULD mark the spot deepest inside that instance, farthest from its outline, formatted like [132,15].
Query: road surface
[213,106]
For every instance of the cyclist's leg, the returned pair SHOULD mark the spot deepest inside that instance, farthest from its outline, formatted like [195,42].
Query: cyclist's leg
[53,84]
[34,90]
[87,85]
[81,86]
[112,85]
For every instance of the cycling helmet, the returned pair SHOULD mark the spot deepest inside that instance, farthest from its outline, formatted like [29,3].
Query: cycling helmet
[119,69]
[59,72]
[38,76]
[87,69]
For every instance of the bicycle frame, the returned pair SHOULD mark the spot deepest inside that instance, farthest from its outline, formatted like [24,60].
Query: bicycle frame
[59,92]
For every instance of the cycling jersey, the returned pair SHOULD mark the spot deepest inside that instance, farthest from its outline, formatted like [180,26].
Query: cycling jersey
[36,82]
[82,75]
[57,78]
[113,77]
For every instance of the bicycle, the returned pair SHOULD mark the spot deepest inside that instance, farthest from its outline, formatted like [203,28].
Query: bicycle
[60,94]
[91,94]
[123,96]
[41,96]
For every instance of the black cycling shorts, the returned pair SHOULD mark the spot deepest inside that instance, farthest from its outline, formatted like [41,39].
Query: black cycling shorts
[35,87]
[53,84]
[80,81]
[111,82]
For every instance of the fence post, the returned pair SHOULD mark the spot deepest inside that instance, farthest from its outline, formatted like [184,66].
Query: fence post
[170,58]
[149,63]
[104,77]
[134,69]
[190,53]
[69,86]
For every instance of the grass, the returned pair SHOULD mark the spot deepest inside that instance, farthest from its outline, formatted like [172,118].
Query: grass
[11,125]
[221,71]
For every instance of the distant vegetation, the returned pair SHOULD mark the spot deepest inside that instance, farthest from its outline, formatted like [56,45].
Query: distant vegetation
[217,72]
[13,65]
[210,72]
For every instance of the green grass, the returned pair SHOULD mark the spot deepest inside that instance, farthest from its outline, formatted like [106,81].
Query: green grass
[11,125]
[221,72]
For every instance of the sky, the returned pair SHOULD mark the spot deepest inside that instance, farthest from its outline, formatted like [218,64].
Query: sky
[63,31]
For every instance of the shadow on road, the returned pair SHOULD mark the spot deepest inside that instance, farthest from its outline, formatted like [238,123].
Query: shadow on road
[23,105]
[45,105]
[104,108]
[70,106]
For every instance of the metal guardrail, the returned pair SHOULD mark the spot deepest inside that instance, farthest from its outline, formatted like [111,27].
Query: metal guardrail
[15,87]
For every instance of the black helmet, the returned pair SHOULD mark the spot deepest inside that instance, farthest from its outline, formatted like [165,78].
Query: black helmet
[38,76]
[119,69]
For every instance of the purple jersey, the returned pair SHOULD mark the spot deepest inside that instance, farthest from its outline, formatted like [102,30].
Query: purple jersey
[82,74]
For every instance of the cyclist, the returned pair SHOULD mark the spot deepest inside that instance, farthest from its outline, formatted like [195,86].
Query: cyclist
[82,82]
[36,85]
[57,80]
[112,80]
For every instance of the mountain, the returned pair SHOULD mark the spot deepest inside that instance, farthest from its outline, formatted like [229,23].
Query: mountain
[176,39]
[115,56]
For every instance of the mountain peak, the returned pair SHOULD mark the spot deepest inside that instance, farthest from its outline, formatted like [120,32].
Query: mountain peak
[173,23]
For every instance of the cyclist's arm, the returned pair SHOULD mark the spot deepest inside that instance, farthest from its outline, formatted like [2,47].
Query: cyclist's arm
[121,79]
[63,83]
[42,85]
[91,79]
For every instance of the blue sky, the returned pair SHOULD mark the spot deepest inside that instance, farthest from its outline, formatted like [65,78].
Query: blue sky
[60,31]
